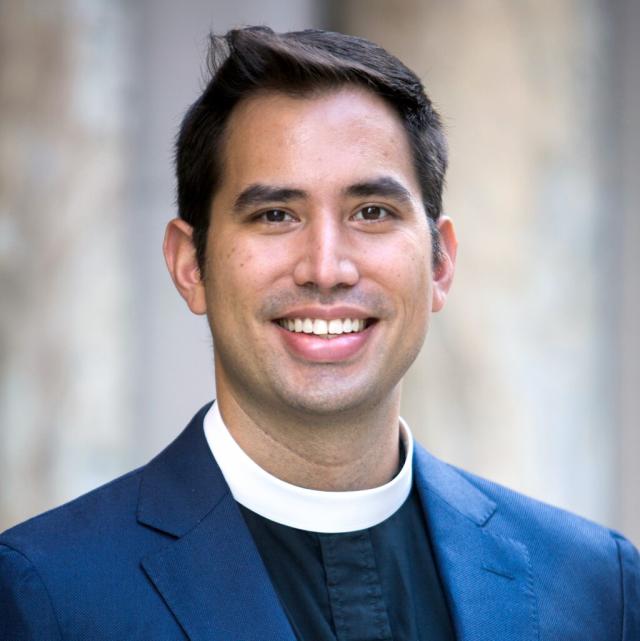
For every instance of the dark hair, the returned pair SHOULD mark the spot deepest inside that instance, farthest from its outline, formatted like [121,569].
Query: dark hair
[246,61]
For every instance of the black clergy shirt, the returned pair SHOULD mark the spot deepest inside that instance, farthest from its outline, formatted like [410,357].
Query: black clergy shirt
[377,584]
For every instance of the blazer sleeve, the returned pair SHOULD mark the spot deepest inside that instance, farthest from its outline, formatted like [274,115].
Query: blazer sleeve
[26,612]
[630,570]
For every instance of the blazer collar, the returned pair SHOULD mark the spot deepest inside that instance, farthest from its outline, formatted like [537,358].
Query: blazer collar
[211,577]
[486,577]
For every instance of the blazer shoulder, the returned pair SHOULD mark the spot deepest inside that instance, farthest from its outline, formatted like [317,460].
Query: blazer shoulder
[535,520]
[630,569]
[563,542]
[79,562]
[589,567]
[84,516]
[26,611]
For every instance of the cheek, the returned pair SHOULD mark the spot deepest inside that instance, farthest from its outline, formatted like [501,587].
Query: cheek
[230,259]
[241,272]
[226,273]
[406,266]
[412,284]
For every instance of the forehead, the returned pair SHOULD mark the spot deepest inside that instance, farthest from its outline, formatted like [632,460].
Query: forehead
[325,140]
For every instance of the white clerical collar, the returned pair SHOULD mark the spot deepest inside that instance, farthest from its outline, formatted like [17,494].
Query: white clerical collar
[299,507]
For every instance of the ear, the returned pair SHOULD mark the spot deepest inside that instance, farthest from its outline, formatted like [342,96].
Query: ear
[180,256]
[444,269]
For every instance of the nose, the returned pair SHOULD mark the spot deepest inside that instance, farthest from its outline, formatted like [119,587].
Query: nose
[326,255]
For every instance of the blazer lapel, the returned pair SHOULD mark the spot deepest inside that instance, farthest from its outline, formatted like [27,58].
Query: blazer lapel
[215,584]
[211,576]
[486,577]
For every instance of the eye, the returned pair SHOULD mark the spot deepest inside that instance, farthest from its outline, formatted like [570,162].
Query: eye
[373,213]
[275,216]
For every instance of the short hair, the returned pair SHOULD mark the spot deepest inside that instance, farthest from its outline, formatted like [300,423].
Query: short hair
[247,61]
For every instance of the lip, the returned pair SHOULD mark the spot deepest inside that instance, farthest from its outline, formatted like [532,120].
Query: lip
[316,349]
[327,313]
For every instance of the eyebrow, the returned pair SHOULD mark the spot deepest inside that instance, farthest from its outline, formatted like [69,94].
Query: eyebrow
[385,186]
[259,194]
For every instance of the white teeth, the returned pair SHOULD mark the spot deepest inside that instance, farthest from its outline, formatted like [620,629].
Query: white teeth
[335,326]
[322,327]
[319,326]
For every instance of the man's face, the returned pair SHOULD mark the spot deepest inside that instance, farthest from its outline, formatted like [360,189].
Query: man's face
[318,279]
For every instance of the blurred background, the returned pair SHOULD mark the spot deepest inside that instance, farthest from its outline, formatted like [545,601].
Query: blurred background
[529,376]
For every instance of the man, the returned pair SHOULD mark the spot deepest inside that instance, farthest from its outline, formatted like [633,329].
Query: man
[297,506]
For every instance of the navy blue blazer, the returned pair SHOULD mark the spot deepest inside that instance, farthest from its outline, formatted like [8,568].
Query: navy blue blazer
[163,554]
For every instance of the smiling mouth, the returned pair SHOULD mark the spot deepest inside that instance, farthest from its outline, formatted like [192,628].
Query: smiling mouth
[325,328]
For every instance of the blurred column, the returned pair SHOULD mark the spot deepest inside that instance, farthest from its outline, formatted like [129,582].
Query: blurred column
[626,230]
[516,380]
[65,411]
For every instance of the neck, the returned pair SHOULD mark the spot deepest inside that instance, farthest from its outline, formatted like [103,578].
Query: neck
[348,451]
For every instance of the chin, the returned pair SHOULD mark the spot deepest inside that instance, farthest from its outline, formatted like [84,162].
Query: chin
[329,400]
